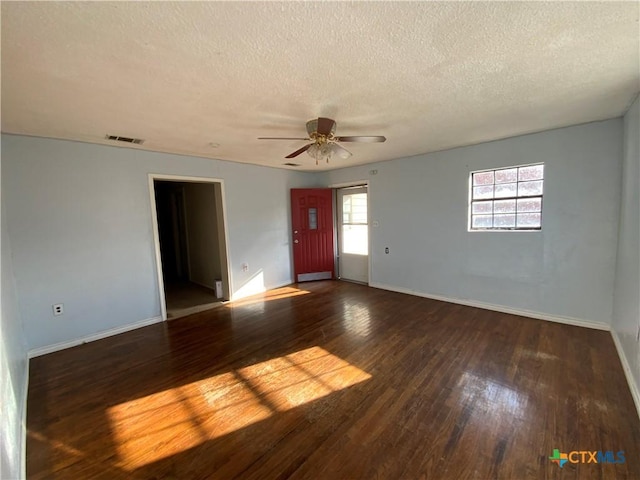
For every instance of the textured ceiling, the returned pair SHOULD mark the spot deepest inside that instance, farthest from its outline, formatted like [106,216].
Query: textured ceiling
[428,76]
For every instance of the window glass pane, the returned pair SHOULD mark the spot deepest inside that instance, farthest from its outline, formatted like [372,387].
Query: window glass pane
[530,188]
[355,239]
[482,207]
[504,206]
[504,221]
[359,208]
[481,221]
[507,175]
[354,208]
[529,220]
[483,192]
[506,190]
[507,198]
[346,209]
[529,205]
[483,178]
[534,172]
[313,219]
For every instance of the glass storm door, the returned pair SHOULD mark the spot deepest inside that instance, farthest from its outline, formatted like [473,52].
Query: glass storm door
[353,234]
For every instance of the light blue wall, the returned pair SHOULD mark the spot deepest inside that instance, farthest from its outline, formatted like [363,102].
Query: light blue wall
[564,271]
[626,308]
[13,369]
[80,221]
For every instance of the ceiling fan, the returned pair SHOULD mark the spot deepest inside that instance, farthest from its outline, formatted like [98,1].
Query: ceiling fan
[324,142]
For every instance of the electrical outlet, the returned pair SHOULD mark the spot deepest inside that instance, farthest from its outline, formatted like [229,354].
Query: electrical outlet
[58,309]
[386,250]
[245,267]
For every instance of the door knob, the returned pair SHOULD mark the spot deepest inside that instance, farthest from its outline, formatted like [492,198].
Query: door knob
[295,241]
[295,231]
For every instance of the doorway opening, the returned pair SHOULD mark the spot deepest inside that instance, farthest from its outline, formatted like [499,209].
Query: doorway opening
[191,246]
[353,233]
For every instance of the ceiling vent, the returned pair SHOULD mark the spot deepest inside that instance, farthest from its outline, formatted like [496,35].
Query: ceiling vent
[289,164]
[117,138]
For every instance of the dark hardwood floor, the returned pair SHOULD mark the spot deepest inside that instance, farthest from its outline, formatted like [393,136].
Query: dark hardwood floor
[332,380]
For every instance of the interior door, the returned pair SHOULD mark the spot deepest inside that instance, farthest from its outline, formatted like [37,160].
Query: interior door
[312,223]
[353,234]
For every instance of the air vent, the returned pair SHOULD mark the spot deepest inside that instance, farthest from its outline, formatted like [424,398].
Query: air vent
[288,164]
[117,138]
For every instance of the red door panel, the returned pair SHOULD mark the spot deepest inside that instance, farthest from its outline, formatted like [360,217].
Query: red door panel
[312,223]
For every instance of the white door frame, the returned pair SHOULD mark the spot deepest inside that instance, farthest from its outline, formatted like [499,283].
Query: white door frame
[156,234]
[355,183]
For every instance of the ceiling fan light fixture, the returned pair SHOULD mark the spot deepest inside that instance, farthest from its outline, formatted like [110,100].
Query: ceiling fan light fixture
[326,151]
[321,151]
[340,152]
[313,150]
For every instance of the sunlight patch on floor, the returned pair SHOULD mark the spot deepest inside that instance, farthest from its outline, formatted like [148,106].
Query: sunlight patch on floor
[491,398]
[356,319]
[56,444]
[275,294]
[157,426]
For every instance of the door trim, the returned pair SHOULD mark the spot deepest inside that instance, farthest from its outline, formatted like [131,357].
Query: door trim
[355,183]
[156,235]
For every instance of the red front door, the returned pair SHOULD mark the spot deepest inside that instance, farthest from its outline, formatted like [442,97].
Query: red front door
[312,223]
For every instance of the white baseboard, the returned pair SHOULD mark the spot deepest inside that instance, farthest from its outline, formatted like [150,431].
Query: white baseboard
[36,352]
[635,393]
[23,453]
[500,308]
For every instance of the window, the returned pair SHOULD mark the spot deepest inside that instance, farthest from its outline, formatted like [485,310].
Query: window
[507,198]
[313,219]
[355,231]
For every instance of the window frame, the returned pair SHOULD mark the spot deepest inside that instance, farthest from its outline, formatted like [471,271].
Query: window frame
[470,215]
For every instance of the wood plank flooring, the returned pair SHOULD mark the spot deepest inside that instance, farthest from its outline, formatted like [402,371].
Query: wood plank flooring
[332,380]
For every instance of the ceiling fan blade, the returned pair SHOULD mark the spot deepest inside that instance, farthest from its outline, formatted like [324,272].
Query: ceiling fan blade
[363,139]
[282,138]
[299,151]
[341,152]
[325,125]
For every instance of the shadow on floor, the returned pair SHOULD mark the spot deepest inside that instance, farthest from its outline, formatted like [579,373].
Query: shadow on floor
[186,298]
